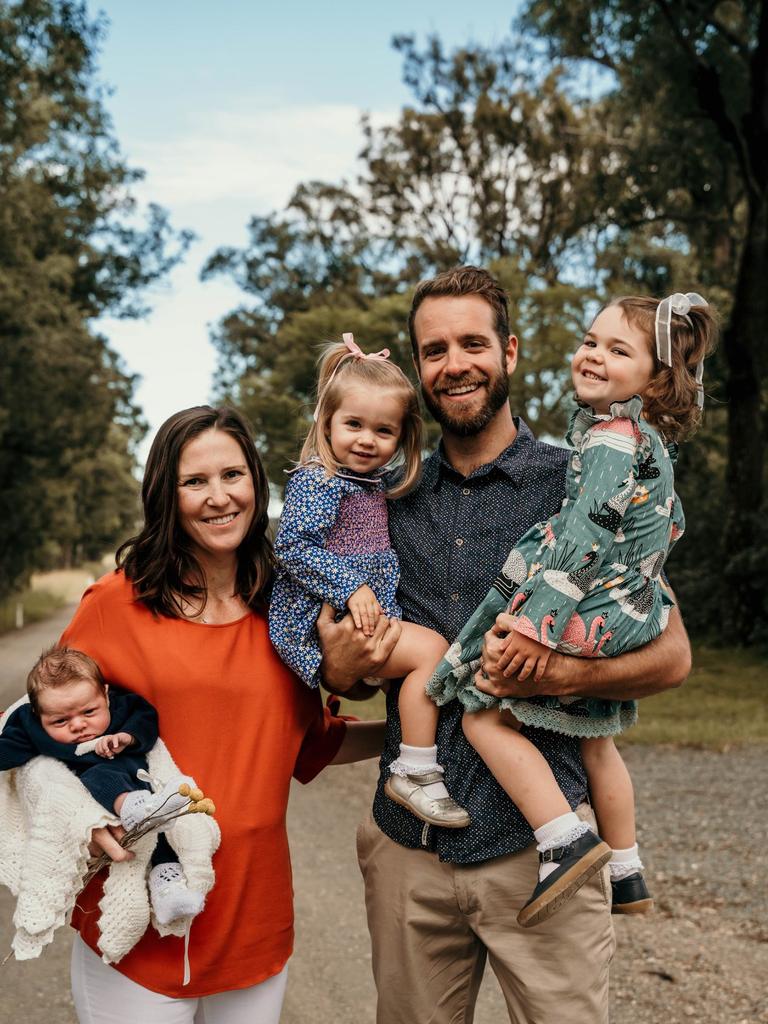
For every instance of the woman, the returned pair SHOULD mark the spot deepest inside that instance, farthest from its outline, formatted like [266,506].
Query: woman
[182,623]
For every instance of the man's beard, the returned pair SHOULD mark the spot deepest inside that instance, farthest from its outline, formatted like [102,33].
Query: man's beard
[467,426]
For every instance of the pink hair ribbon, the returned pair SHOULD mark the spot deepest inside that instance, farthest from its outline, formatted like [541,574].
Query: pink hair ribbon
[354,352]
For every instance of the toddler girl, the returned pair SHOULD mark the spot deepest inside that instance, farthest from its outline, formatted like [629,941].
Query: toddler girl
[333,542]
[103,735]
[587,582]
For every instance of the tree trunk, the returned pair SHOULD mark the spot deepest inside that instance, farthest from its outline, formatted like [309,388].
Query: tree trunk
[744,346]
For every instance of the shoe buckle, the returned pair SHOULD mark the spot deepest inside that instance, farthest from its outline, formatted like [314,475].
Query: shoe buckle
[553,855]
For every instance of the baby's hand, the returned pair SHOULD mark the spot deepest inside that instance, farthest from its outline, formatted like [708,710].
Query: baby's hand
[365,609]
[524,656]
[108,746]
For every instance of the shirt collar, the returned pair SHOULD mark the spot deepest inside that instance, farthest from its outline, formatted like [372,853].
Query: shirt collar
[511,461]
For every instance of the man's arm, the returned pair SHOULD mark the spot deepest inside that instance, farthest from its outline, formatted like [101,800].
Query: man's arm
[660,665]
[349,655]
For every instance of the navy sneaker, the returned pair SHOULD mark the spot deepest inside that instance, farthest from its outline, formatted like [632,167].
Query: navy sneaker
[630,895]
[576,863]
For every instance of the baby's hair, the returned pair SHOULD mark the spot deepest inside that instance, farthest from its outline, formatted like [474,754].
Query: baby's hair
[670,400]
[58,666]
[338,371]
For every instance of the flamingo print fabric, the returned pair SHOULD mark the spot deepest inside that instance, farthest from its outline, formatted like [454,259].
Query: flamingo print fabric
[587,581]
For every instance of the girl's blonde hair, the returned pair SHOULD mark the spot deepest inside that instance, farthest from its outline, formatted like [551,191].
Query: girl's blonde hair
[339,370]
[670,400]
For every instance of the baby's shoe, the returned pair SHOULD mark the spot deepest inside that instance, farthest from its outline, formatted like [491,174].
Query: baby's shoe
[410,792]
[141,804]
[169,894]
[576,863]
[630,895]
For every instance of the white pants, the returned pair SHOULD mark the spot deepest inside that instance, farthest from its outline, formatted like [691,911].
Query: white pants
[103,995]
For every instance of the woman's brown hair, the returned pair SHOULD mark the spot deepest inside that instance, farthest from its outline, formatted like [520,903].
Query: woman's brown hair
[338,370]
[670,400]
[159,560]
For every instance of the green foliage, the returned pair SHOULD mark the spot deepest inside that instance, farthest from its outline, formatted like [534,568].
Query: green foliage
[488,168]
[721,705]
[605,148]
[38,605]
[70,250]
[682,88]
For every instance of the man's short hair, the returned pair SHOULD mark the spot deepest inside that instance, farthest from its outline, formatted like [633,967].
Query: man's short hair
[58,666]
[456,283]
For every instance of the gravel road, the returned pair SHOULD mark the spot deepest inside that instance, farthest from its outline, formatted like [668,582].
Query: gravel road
[703,957]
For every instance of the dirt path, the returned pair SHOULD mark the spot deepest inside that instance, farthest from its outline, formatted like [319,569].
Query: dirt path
[703,957]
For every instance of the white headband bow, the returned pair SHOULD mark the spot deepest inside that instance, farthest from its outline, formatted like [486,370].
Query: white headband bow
[679,303]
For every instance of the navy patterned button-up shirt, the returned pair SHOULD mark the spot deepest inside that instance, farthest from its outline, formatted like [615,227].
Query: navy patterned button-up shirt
[452,535]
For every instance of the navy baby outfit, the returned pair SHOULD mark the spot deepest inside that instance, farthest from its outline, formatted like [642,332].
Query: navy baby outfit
[23,737]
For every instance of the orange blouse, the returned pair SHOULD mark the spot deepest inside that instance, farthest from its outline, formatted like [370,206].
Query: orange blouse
[234,717]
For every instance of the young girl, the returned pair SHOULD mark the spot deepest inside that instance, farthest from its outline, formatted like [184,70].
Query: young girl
[587,582]
[333,542]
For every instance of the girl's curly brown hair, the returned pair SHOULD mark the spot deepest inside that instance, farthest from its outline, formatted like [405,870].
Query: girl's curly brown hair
[669,400]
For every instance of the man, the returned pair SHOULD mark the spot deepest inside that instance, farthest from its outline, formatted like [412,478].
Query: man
[439,901]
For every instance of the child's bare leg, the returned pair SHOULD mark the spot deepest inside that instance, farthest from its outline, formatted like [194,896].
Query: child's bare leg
[569,852]
[415,658]
[611,792]
[613,799]
[417,778]
[516,764]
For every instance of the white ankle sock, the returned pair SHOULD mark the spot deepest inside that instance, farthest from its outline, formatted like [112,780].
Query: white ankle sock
[170,896]
[625,862]
[420,761]
[558,832]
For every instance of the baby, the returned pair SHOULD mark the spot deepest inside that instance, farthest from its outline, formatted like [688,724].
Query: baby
[102,734]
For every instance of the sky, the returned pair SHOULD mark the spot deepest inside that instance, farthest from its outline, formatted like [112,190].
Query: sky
[227,107]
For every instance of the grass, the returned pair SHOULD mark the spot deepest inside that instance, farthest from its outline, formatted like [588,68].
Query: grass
[723,704]
[37,604]
[49,591]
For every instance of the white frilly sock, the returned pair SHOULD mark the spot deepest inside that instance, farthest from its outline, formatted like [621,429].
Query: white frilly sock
[558,832]
[420,761]
[624,863]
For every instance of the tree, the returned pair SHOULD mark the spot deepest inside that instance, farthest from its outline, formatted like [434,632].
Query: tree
[685,94]
[70,250]
[483,169]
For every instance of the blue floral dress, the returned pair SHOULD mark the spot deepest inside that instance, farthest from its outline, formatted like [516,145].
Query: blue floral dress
[333,538]
[587,581]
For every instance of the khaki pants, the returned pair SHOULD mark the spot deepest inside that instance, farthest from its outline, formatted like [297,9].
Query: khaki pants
[432,925]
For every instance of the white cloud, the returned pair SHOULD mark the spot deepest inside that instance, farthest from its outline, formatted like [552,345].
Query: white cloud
[212,175]
[258,157]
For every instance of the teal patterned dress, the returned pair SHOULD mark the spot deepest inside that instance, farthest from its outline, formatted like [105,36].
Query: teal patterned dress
[586,582]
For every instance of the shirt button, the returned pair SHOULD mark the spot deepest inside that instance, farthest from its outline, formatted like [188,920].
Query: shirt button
[465,490]
[454,597]
[459,541]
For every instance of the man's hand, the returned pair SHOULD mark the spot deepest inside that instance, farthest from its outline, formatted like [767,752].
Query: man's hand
[106,840]
[108,746]
[365,609]
[348,654]
[660,665]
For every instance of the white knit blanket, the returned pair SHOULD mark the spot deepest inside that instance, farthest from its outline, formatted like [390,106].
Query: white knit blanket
[46,820]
